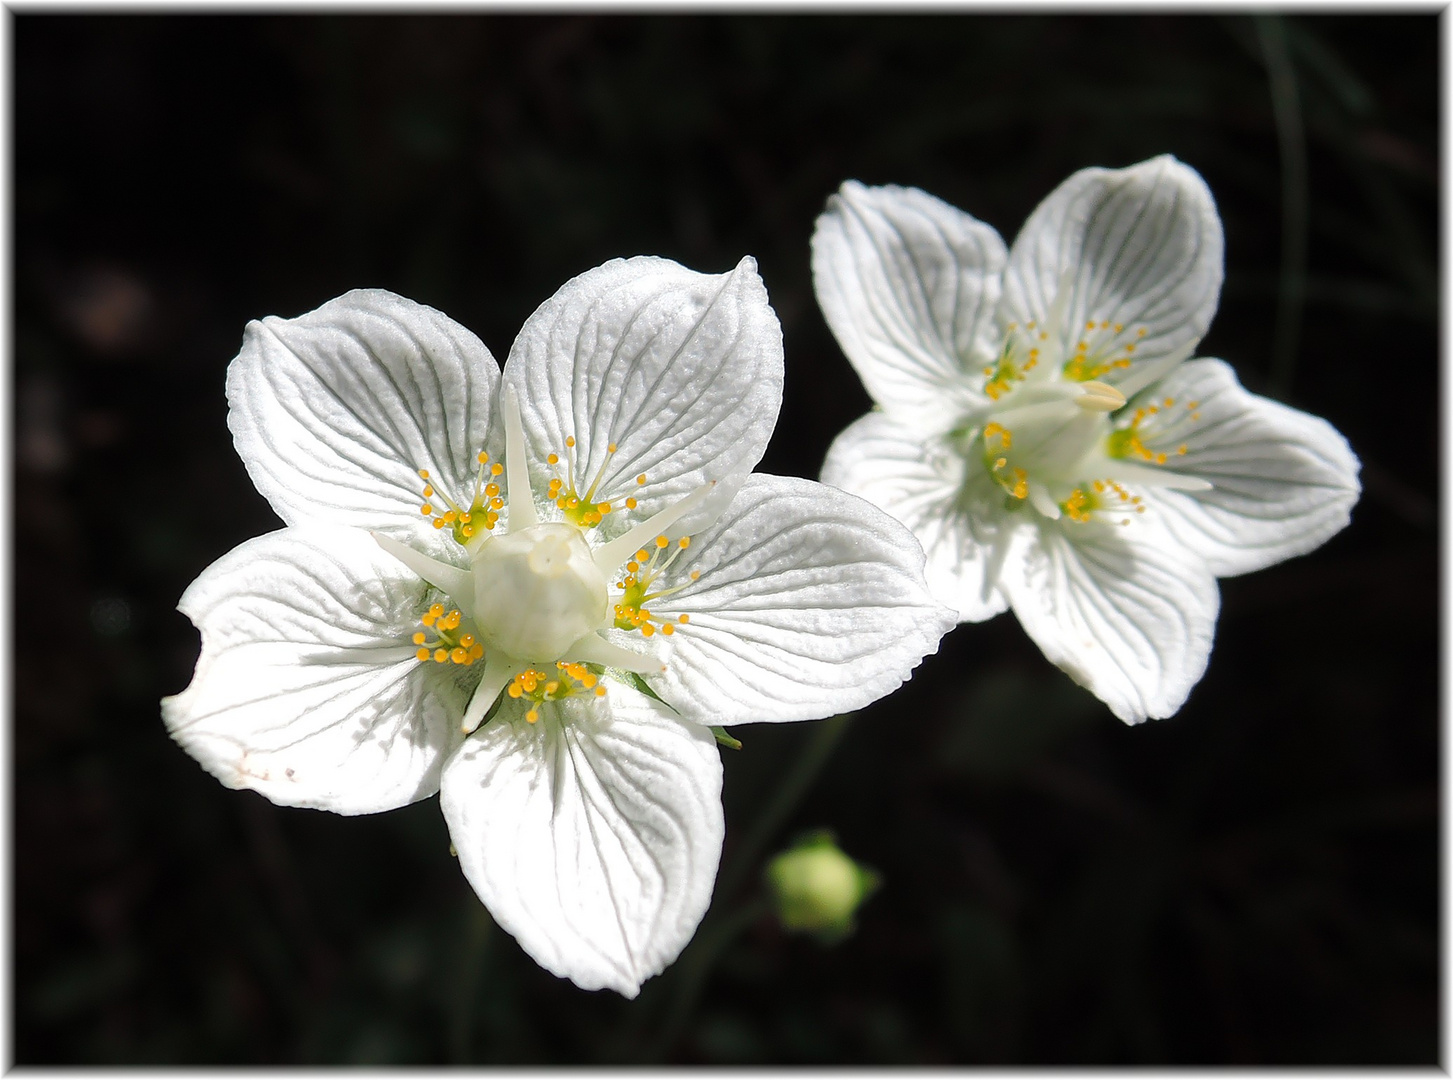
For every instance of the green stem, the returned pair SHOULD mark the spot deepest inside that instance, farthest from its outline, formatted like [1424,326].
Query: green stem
[1291,140]
[718,929]
[789,792]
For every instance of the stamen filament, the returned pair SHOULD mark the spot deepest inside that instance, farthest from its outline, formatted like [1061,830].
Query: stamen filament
[609,556]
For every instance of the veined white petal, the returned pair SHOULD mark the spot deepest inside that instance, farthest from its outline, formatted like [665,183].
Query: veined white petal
[307,689]
[1145,248]
[498,670]
[592,836]
[680,371]
[909,286]
[810,602]
[335,411]
[1128,614]
[1280,482]
[919,481]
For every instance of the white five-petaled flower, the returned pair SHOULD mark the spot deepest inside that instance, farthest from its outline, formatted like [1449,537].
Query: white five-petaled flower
[1042,430]
[573,551]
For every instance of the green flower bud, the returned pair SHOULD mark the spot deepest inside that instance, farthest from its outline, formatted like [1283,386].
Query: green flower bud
[816,888]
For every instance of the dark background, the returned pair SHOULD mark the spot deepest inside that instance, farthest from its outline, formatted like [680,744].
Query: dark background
[1254,880]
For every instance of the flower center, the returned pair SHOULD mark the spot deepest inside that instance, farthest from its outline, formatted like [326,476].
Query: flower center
[537,591]
[1057,439]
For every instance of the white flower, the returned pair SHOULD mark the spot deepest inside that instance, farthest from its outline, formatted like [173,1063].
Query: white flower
[1043,432]
[530,554]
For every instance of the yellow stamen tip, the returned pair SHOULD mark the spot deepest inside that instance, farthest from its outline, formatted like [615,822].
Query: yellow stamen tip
[570,440]
[422,654]
[641,479]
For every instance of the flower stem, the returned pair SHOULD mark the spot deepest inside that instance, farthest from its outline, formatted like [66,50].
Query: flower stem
[719,928]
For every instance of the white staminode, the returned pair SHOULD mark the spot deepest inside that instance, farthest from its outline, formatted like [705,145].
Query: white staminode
[542,541]
[1043,430]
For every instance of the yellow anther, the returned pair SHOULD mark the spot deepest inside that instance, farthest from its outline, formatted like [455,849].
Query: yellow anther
[1193,404]
[647,629]
[641,479]
[668,629]
[476,651]
[642,555]
[661,541]
[600,691]
[633,566]
[497,503]
[419,638]
[695,574]
[441,655]
[496,469]
[1119,327]
[1130,348]
[514,690]
[602,508]
[1168,402]
[450,517]
[426,509]
[532,715]
[683,618]
[1090,325]
[630,504]
[465,518]
[491,490]
[428,491]
[570,440]
[1140,332]
[482,458]
[999,463]
[467,641]
[553,459]
[438,523]
[684,542]
[459,656]
[611,449]
[1182,448]
[423,474]
[551,686]
[422,654]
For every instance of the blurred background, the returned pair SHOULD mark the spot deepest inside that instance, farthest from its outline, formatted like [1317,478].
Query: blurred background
[1252,881]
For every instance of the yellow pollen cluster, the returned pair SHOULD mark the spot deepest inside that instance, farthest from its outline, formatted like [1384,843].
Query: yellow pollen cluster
[537,687]
[447,646]
[1079,505]
[484,506]
[644,569]
[1126,442]
[582,510]
[1009,369]
[1100,351]
[997,439]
